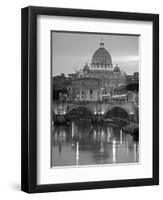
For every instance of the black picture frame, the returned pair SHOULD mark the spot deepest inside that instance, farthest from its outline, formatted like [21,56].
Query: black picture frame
[29,98]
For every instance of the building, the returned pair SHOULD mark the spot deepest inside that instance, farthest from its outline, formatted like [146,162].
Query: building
[97,81]
[136,76]
[85,89]
[101,67]
[59,87]
[132,77]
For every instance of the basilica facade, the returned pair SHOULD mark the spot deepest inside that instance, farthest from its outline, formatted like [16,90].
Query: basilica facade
[106,79]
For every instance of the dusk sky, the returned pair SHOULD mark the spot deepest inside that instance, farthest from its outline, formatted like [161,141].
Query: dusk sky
[71,51]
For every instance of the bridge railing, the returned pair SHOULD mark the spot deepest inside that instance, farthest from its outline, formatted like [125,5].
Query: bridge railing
[111,102]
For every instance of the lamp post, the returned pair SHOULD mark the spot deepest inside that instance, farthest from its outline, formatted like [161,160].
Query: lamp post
[132,116]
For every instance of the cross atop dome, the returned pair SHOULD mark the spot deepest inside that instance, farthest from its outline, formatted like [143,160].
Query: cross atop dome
[101,42]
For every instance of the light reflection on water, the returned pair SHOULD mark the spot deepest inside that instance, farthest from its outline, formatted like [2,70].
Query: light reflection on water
[82,143]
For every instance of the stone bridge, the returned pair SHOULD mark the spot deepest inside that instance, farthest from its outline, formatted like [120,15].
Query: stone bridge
[97,108]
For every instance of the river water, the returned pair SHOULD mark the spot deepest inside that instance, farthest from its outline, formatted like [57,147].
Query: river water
[81,143]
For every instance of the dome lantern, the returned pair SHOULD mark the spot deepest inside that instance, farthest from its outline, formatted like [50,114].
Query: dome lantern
[101,44]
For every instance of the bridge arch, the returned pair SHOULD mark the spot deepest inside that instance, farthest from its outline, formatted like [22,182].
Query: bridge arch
[117,112]
[79,111]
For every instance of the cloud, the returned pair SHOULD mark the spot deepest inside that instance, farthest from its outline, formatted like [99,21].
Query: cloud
[126,59]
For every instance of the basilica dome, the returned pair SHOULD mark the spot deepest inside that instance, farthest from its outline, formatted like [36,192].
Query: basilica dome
[86,68]
[116,69]
[102,57]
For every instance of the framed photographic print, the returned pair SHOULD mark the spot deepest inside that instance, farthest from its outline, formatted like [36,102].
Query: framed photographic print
[90,99]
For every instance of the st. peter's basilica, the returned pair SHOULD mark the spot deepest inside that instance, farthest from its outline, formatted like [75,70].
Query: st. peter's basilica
[99,79]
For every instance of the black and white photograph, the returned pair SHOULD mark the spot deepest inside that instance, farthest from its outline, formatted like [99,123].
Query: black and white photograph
[94,99]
